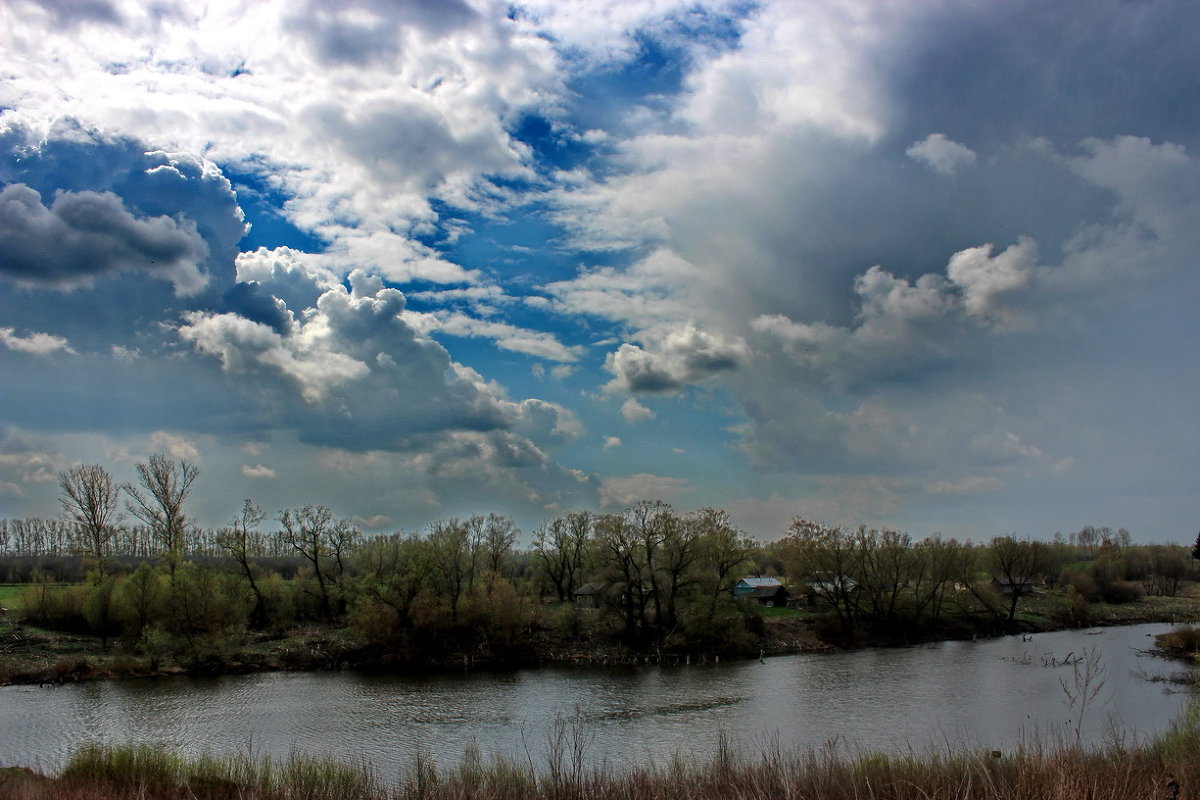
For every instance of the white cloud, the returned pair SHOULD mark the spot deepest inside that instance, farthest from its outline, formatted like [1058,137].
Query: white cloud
[125,355]
[507,337]
[357,135]
[175,446]
[941,154]
[258,471]
[611,442]
[633,411]
[987,280]
[38,344]
[673,358]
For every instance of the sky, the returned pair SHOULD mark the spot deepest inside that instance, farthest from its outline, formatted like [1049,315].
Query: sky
[927,265]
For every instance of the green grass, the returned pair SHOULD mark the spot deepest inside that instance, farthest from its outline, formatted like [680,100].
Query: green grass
[10,595]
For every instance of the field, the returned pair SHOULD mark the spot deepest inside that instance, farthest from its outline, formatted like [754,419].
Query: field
[10,595]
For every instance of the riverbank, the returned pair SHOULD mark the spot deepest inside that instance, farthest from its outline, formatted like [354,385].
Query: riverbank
[29,655]
[1166,768]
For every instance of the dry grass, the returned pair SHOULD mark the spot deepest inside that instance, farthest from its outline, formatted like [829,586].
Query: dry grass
[1168,768]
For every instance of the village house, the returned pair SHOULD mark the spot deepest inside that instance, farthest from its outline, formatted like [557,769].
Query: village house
[764,591]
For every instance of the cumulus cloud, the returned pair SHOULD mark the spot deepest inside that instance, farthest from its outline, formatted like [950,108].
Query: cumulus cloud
[81,236]
[38,344]
[633,411]
[175,446]
[941,154]
[351,372]
[258,471]
[986,280]
[674,358]
[611,442]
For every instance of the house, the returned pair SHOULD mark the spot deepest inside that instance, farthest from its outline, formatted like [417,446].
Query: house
[589,595]
[1015,586]
[764,591]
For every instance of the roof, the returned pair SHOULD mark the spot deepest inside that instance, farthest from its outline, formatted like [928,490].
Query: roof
[590,589]
[755,583]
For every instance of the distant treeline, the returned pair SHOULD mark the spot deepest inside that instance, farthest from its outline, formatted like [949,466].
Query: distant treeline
[647,578]
[37,537]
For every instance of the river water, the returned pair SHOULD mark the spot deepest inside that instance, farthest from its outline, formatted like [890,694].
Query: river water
[990,694]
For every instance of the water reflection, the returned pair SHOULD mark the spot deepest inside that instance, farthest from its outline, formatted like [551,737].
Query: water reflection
[988,694]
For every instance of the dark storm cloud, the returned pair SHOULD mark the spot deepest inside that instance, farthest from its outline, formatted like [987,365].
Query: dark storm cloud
[1054,69]
[252,301]
[149,183]
[83,235]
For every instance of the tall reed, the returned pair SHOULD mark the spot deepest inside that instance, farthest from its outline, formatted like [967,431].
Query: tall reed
[1166,768]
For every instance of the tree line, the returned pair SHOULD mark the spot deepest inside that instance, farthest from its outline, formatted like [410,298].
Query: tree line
[649,576]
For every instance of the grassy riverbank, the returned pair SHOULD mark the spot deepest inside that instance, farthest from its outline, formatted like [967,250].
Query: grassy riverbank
[29,654]
[1167,768]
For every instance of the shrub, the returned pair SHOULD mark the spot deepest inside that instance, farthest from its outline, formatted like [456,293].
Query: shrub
[1120,592]
[1075,611]
[1081,583]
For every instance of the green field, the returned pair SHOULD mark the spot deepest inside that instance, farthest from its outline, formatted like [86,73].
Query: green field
[10,595]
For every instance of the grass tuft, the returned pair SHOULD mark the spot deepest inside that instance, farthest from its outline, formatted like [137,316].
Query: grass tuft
[1168,767]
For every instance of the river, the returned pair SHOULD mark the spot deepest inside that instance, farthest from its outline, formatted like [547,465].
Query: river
[961,694]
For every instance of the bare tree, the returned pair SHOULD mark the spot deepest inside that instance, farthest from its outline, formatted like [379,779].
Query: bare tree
[164,485]
[238,540]
[89,499]
[452,551]
[1017,562]
[312,532]
[562,547]
[499,535]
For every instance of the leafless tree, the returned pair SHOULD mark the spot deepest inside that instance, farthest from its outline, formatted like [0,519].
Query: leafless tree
[89,500]
[158,502]
[1016,561]
[562,547]
[452,549]
[312,532]
[238,540]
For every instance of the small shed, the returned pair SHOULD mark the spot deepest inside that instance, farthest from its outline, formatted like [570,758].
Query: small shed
[1015,586]
[764,591]
[589,595]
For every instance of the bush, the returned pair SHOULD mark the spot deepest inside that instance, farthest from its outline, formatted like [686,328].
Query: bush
[1075,611]
[1121,592]
[1081,583]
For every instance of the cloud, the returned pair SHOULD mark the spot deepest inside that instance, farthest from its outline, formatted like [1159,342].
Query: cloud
[175,446]
[611,442]
[620,492]
[373,523]
[84,235]
[507,337]
[676,357]
[941,154]
[257,471]
[969,485]
[351,372]
[633,411]
[38,344]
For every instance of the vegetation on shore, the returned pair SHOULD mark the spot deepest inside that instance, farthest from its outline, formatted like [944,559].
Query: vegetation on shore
[87,596]
[1168,768]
